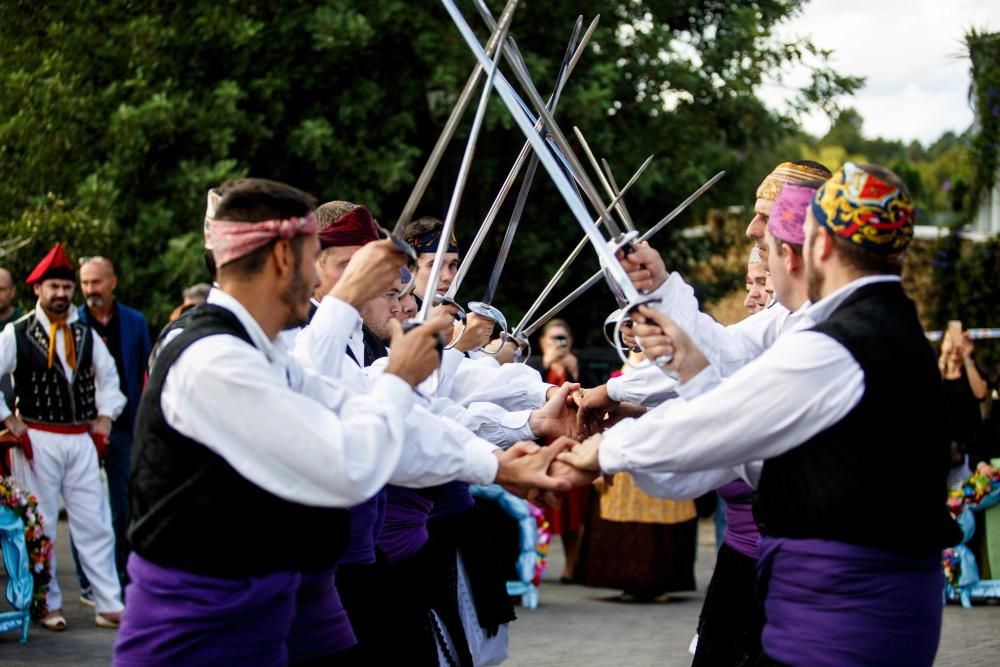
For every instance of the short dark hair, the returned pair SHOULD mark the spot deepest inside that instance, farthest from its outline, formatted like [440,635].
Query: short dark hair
[866,261]
[421,226]
[257,200]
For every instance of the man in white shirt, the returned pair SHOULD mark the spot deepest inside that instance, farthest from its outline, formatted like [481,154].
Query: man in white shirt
[856,395]
[66,385]
[245,460]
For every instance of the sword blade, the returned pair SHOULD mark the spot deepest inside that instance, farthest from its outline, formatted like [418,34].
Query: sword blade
[626,220]
[557,276]
[614,189]
[508,183]
[492,69]
[447,132]
[604,249]
[594,279]
[513,56]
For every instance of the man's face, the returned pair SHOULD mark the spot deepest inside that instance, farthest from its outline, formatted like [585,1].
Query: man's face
[407,304]
[55,296]
[97,282]
[755,230]
[330,266]
[810,251]
[756,282]
[7,290]
[303,283]
[380,311]
[448,270]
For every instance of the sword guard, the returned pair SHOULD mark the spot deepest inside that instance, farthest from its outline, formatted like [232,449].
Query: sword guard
[402,245]
[460,316]
[626,312]
[491,313]
[523,348]
[609,331]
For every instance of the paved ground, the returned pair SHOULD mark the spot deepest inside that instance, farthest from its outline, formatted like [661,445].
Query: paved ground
[573,626]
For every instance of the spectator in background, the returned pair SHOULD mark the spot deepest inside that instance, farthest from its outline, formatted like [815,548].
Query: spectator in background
[125,332]
[8,313]
[964,388]
[559,365]
[192,296]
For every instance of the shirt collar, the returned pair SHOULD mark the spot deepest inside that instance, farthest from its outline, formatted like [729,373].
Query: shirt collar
[822,309]
[43,318]
[219,298]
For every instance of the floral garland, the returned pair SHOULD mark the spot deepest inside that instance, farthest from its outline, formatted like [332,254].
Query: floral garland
[979,485]
[38,543]
[542,544]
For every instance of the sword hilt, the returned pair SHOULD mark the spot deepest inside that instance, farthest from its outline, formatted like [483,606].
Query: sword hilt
[460,316]
[410,325]
[489,312]
[626,315]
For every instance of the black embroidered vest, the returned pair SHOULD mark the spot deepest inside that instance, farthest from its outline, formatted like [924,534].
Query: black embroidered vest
[44,394]
[190,509]
[878,476]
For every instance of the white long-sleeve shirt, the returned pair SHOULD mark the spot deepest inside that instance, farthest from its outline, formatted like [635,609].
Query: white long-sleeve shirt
[109,399]
[811,380]
[283,426]
[439,449]
[513,387]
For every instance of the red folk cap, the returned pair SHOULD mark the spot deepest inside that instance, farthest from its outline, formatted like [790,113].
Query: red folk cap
[55,266]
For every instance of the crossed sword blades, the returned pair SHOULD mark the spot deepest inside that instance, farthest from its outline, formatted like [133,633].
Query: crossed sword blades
[547,145]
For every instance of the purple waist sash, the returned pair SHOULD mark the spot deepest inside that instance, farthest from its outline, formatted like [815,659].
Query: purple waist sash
[454,498]
[842,605]
[741,530]
[182,618]
[404,529]
[366,524]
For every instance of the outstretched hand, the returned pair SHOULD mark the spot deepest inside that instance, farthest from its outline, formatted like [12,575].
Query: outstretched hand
[524,467]
[558,416]
[584,455]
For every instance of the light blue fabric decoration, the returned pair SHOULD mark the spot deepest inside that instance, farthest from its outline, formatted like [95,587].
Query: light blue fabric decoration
[528,538]
[20,584]
[970,586]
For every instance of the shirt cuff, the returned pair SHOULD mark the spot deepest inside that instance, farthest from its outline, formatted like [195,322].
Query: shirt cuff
[616,389]
[336,318]
[517,423]
[704,381]
[481,464]
[610,455]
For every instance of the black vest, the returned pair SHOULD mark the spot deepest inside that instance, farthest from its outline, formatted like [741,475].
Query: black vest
[44,394]
[878,476]
[191,510]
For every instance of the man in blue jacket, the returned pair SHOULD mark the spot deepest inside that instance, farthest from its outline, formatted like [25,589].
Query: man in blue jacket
[126,334]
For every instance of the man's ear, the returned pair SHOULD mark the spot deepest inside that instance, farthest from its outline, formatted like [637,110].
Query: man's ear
[284,257]
[792,260]
[825,239]
[38,289]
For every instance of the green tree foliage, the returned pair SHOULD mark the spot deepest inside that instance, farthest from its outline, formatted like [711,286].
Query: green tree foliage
[116,117]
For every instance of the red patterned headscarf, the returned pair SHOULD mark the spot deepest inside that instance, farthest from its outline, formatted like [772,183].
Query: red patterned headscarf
[234,240]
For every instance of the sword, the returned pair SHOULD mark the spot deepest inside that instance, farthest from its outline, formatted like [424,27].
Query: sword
[605,249]
[614,188]
[454,118]
[513,56]
[463,171]
[557,276]
[594,279]
[619,207]
[515,171]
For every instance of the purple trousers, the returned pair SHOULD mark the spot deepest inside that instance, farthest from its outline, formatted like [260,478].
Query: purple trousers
[831,604]
[181,618]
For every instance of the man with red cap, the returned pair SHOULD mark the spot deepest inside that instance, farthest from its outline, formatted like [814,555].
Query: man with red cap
[67,396]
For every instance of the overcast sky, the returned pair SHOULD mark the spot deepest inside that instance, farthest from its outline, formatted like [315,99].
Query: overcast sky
[911,52]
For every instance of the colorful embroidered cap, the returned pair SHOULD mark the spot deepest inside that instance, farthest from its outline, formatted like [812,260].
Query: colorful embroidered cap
[788,217]
[866,210]
[789,172]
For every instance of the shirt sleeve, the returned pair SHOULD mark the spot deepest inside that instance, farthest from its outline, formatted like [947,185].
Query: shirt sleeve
[440,450]
[108,395]
[648,386]
[513,387]
[288,430]
[682,485]
[487,420]
[8,361]
[808,380]
[323,342]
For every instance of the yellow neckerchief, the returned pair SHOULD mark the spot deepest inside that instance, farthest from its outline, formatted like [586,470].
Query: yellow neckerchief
[54,326]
